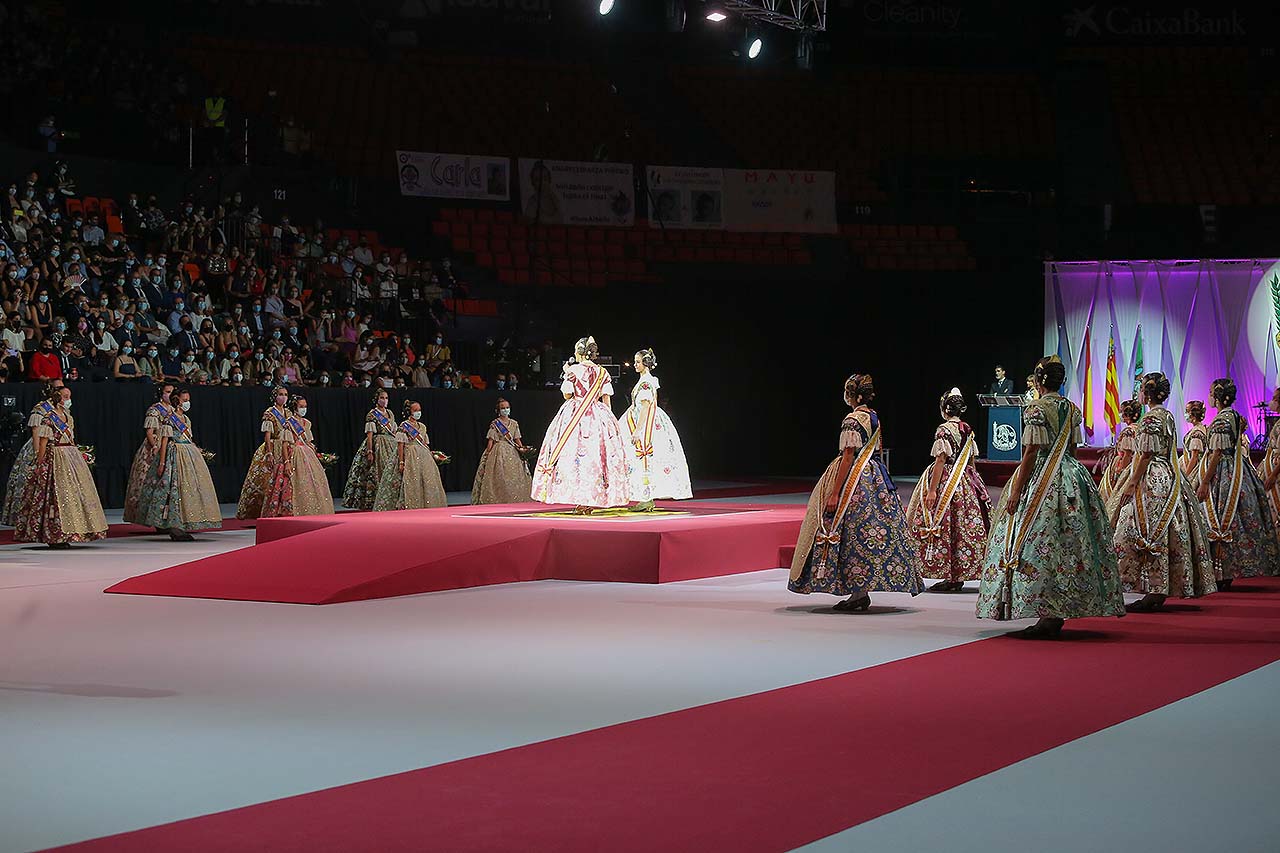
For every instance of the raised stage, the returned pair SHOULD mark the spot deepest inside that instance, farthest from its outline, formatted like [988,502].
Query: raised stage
[353,556]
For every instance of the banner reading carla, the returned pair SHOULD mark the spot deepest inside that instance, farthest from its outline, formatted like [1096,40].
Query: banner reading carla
[433,175]
[685,197]
[792,200]
[566,192]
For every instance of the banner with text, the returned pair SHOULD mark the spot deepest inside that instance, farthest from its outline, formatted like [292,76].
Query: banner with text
[432,175]
[562,192]
[779,200]
[685,197]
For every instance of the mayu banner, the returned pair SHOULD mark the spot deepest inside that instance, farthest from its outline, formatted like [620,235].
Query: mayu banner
[792,200]
[432,175]
[565,192]
[685,197]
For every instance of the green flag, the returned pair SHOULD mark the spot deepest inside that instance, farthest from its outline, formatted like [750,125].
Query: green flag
[1137,363]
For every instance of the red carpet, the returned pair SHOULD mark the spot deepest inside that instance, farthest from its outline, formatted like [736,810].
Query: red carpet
[354,556]
[116,531]
[775,770]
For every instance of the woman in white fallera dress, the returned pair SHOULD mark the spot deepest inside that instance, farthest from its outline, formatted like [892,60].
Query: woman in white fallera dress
[656,467]
[583,460]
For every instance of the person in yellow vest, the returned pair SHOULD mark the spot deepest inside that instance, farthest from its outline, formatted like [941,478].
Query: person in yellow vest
[215,110]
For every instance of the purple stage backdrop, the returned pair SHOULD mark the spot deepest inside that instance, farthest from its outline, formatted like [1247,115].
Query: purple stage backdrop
[1193,320]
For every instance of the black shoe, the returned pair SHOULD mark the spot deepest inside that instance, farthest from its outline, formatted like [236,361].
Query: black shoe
[181,536]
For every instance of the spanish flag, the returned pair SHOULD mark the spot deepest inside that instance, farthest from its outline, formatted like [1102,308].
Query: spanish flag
[1111,393]
[1087,401]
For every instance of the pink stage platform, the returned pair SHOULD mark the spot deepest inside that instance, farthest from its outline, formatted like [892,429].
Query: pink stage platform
[354,556]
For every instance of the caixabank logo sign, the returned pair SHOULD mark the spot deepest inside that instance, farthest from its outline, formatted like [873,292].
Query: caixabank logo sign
[1122,21]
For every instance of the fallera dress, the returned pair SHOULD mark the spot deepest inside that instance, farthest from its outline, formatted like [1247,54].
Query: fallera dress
[1242,532]
[300,487]
[1053,557]
[866,545]
[23,464]
[656,466]
[952,536]
[502,476]
[1161,539]
[60,503]
[418,486]
[364,476]
[144,461]
[183,496]
[1197,438]
[1115,479]
[582,460]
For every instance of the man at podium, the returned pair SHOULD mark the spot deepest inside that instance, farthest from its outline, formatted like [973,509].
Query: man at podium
[1003,385]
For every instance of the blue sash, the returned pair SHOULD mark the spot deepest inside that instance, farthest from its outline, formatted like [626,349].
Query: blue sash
[290,423]
[58,423]
[177,422]
[497,423]
[412,431]
[382,420]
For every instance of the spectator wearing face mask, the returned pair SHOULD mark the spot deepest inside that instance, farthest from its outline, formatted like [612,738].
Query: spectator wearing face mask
[229,363]
[92,234]
[257,321]
[125,367]
[178,316]
[188,366]
[437,351]
[40,314]
[421,377]
[149,364]
[128,333]
[44,363]
[185,339]
[105,345]
[236,378]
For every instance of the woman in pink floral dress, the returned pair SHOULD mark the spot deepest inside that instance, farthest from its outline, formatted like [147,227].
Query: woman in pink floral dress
[950,509]
[583,460]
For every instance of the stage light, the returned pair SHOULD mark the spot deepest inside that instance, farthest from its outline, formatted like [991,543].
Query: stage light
[754,49]
[716,17]
[606,6]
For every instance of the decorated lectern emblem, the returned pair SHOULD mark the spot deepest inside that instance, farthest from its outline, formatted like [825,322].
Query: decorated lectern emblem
[1004,437]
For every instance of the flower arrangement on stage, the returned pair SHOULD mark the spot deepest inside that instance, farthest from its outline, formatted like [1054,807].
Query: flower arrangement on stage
[208,455]
[328,460]
[86,450]
[441,457]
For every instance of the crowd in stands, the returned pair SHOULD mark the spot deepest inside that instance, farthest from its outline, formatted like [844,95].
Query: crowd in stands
[211,297]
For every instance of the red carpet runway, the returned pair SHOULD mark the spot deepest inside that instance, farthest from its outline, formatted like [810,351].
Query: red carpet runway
[354,556]
[779,769]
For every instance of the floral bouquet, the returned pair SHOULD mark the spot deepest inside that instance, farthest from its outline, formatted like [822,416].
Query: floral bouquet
[440,457]
[86,450]
[208,455]
[328,460]
[527,453]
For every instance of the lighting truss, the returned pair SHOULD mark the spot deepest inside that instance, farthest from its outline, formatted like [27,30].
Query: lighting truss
[805,15]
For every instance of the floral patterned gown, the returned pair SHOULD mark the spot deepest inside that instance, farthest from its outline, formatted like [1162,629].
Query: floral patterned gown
[364,476]
[1271,461]
[865,546]
[1197,438]
[657,467]
[183,496]
[59,500]
[144,462]
[1053,556]
[418,486]
[952,537]
[1161,540]
[23,464]
[502,476]
[265,468]
[583,460]
[1242,531]
[299,487]
[1115,480]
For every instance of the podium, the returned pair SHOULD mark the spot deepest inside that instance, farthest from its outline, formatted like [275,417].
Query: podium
[1004,426]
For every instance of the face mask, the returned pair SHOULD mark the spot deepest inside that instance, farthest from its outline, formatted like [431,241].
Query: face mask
[191,357]
[129,325]
[407,341]
[366,383]
[502,383]
[233,355]
[324,380]
[350,314]
[66,404]
[257,309]
[244,330]
[208,356]
[504,412]
[448,384]
[173,352]
[293,331]
[62,327]
[237,377]
[75,256]
[257,356]
[178,306]
[439,339]
[275,335]
[387,382]
[417,416]
[127,350]
[186,405]
[302,411]
[266,382]
[44,297]
[152,353]
[101,326]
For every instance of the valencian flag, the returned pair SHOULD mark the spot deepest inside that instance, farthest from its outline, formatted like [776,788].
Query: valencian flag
[1087,401]
[1137,363]
[1111,393]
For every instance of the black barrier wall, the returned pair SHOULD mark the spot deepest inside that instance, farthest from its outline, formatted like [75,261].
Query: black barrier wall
[227,421]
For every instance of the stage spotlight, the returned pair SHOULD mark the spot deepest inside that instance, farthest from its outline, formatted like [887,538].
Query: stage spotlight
[606,6]
[753,50]
[716,17]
